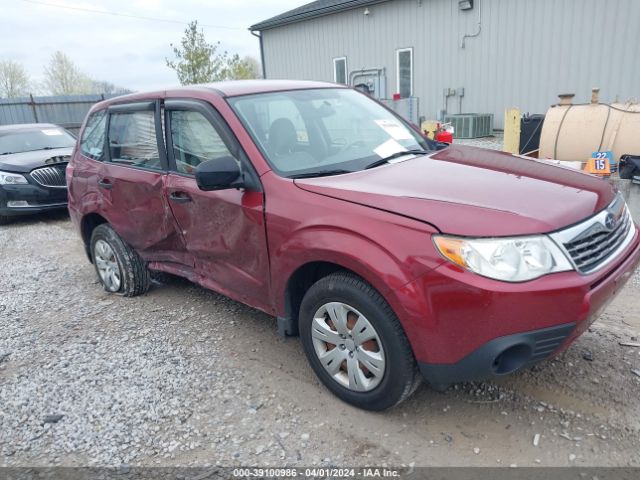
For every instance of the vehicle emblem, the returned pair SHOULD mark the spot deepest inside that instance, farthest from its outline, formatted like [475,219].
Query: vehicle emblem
[610,221]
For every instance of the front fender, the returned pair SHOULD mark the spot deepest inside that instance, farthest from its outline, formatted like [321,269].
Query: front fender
[388,255]
[343,247]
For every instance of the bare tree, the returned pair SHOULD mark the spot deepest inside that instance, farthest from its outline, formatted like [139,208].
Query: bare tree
[14,81]
[98,86]
[62,77]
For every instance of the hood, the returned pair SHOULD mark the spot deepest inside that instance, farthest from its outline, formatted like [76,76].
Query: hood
[474,192]
[26,161]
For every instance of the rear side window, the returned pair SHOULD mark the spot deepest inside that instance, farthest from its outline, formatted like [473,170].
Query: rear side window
[132,140]
[92,142]
[194,140]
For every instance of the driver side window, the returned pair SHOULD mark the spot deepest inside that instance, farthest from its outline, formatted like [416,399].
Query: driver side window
[194,140]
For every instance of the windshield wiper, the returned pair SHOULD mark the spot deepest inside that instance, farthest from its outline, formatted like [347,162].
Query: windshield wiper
[384,160]
[321,173]
[6,153]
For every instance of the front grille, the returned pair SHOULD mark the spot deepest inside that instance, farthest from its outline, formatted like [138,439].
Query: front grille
[595,242]
[589,252]
[53,176]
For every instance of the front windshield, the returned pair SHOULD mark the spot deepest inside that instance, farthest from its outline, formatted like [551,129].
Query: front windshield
[324,130]
[28,140]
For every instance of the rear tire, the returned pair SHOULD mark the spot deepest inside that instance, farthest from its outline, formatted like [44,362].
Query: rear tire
[368,364]
[120,269]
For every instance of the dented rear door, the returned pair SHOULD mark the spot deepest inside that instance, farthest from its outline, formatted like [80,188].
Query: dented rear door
[132,183]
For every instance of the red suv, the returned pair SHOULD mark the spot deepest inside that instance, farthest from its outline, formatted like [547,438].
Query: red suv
[389,254]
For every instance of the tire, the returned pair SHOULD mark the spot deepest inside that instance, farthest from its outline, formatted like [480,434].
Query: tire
[381,343]
[4,220]
[114,260]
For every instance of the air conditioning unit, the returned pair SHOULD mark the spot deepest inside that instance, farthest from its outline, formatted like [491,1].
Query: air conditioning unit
[471,125]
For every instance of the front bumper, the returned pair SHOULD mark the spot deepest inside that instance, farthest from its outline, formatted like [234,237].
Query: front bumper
[465,327]
[37,198]
[499,356]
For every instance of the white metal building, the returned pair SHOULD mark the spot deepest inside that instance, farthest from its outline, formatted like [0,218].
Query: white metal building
[477,56]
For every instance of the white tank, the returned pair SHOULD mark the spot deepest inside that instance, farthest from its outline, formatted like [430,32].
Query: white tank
[574,132]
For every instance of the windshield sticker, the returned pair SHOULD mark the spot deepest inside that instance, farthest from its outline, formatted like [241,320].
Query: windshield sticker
[52,132]
[388,148]
[394,129]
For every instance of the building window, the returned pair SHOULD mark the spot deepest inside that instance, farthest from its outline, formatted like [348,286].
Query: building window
[340,70]
[404,72]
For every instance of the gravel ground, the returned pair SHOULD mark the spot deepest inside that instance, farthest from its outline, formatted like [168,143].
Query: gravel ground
[494,143]
[183,376]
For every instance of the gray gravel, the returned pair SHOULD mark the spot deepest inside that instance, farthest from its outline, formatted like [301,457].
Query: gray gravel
[494,142]
[183,376]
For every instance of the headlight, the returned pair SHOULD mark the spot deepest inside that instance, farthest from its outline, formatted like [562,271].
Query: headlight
[7,178]
[515,259]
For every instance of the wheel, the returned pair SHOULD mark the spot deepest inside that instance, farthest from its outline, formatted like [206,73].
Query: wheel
[120,269]
[355,343]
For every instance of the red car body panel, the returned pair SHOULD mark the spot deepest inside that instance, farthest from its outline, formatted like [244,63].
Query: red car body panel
[377,223]
[458,311]
[474,192]
[218,229]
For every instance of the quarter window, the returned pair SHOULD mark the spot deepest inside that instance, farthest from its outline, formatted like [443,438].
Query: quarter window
[92,142]
[340,70]
[194,140]
[132,139]
[404,64]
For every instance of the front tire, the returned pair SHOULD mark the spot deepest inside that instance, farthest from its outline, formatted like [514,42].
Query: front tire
[355,343]
[120,269]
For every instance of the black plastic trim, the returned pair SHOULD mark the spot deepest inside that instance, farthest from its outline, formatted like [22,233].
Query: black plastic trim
[479,364]
[132,107]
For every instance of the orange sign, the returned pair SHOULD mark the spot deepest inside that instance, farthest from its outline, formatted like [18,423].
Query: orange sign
[598,166]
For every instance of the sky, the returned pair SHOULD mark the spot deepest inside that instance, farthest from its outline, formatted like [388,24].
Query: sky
[129,52]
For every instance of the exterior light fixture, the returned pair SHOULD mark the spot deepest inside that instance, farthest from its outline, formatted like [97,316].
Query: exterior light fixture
[465,4]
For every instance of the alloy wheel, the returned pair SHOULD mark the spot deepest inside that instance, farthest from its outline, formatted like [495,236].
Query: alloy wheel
[107,265]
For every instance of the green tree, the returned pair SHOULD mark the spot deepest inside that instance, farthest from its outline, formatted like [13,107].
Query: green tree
[14,81]
[62,77]
[198,61]
[243,68]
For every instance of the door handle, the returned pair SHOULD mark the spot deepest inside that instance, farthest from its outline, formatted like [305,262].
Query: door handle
[180,197]
[106,184]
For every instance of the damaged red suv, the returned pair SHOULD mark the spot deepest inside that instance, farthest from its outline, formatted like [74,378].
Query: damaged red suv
[392,256]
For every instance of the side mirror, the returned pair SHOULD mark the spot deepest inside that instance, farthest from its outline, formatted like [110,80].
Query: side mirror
[219,174]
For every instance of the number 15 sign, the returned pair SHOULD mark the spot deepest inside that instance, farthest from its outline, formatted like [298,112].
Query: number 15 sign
[600,163]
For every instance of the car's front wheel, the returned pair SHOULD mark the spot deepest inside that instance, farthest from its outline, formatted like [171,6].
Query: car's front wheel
[355,343]
[120,269]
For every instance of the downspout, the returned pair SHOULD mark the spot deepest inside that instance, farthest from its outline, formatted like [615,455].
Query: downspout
[264,70]
[473,35]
